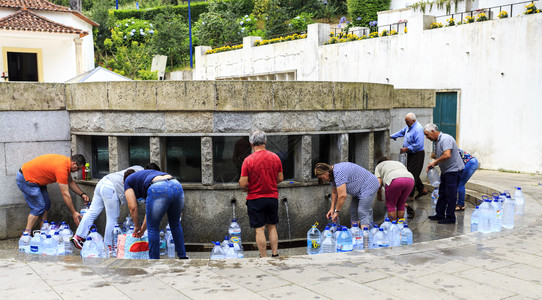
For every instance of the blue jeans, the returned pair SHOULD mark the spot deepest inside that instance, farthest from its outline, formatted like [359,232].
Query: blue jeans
[165,196]
[36,196]
[447,195]
[470,167]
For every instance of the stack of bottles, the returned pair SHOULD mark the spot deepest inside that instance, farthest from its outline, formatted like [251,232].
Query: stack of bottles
[337,238]
[94,245]
[231,247]
[51,239]
[497,212]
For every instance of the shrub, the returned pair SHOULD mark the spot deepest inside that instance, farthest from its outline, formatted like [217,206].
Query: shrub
[481,17]
[300,22]
[366,10]
[468,19]
[435,25]
[531,9]
[503,14]
[451,21]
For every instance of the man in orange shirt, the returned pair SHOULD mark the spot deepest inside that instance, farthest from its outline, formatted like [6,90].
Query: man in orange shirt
[34,176]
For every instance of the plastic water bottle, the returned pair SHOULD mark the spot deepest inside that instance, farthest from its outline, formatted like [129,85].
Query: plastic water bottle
[403,158]
[314,241]
[373,232]
[237,247]
[406,235]
[115,240]
[484,225]
[230,252]
[386,225]
[217,252]
[83,210]
[329,245]
[493,216]
[235,230]
[24,243]
[163,246]
[226,243]
[497,207]
[367,238]
[45,227]
[95,235]
[66,234]
[65,226]
[130,230]
[519,201]
[508,212]
[434,177]
[127,223]
[357,238]
[333,228]
[170,246]
[53,227]
[49,246]
[35,243]
[344,241]
[434,199]
[395,234]
[381,238]
[60,250]
[90,248]
[474,219]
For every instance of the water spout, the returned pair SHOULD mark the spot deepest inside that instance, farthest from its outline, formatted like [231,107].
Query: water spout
[328,197]
[233,204]
[285,201]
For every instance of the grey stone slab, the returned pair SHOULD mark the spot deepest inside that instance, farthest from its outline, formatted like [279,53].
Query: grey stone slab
[144,287]
[522,271]
[360,272]
[87,121]
[252,278]
[291,291]
[48,271]
[503,282]
[12,273]
[346,288]
[19,153]
[232,122]
[472,257]
[301,275]
[39,290]
[95,288]
[405,289]
[26,126]
[461,288]
[3,171]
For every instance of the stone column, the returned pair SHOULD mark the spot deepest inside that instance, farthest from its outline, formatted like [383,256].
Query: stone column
[155,150]
[207,177]
[119,156]
[418,23]
[371,148]
[343,147]
[78,56]
[200,63]
[303,161]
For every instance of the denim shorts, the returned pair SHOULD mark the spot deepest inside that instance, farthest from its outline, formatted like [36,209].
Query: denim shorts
[36,196]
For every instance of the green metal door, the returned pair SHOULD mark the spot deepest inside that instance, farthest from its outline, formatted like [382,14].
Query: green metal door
[445,113]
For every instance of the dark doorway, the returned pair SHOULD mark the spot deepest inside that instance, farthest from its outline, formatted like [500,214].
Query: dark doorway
[22,66]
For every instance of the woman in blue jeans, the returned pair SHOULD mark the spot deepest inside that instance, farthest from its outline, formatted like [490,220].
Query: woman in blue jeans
[162,193]
[471,164]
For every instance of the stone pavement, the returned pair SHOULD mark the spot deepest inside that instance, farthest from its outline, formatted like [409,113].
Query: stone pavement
[504,265]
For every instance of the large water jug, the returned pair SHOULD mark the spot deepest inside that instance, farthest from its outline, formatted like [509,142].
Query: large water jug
[117,231]
[217,252]
[357,239]
[230,253]
[329,244]
[386,225]
[508,212]
[474,219]
[235,230]
[50,247]
[484,222]
[226,243]
[395,234]
[95,235]
[519,201]
[238,247]
[406,235]
[314,240]
[497,207]
[434,200]
[59,244]
[90,249]
[344,241]
[66,234]
[35,243]
[171,246]
[381,238]
[403,158]
[24,243]
[65,226]
[373,232]
[434,177]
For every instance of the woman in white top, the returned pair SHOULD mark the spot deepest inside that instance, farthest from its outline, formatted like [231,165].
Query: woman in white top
[397,182]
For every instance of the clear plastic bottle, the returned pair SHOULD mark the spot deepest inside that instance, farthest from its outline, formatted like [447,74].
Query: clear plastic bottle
[45,227]
[230,253]
[66,226]
[508,213]
[344,241]
[406,235]
[434,177]
[381,238]
[66,234]
[474,219]
[24,243]
[434,200]
[127,223]
[217,252]
[49,246]
[35,243]
[115,240]
[60,250]
[130,230]
[386,225]
[484,225]
[83,210]
[314,241]
[497,207]
[237,247]
[170,246]
[403,158]
[225,243]
[53,227]
[519,201]
[90,248]
[357,238]
[367,238]
[329,244]
[395,234]
[493,216]
[234,230]
[163,246]
[95,235]
[373,232]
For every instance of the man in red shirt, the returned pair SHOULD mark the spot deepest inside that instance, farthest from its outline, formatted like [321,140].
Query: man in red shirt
[35,175]
[260,174]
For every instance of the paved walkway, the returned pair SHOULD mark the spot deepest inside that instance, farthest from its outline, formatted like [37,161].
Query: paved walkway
[504,265]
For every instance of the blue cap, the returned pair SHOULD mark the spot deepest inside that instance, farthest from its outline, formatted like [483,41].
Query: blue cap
[380,229]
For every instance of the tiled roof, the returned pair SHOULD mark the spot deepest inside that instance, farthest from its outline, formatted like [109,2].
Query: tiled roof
[26,20]
[33,4]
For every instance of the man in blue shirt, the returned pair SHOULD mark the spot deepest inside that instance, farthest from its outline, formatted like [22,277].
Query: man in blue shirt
[413,147]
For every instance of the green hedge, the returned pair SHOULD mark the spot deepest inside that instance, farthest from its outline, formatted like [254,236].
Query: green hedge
[196,8]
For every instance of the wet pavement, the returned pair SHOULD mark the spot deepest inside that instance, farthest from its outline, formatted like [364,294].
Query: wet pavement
[446,261]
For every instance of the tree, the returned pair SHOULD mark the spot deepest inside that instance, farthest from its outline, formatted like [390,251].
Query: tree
[364,11]
[216,27]
[171,38]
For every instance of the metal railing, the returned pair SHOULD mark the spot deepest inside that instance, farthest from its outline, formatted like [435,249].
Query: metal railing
[399,27]
[490,12]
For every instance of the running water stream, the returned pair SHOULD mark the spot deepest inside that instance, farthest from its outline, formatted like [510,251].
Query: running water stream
[285,201]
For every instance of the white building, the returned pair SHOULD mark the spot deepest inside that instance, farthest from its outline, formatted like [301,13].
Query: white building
[488,75]
[45,42]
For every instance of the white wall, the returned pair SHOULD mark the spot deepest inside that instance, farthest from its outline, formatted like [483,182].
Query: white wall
[498,116]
